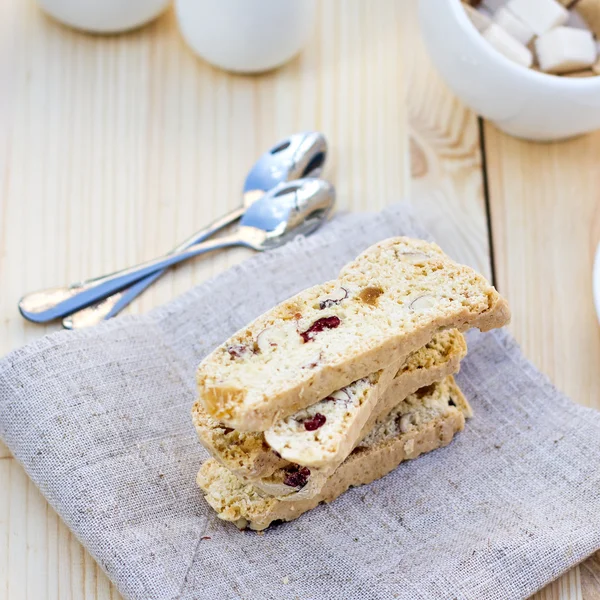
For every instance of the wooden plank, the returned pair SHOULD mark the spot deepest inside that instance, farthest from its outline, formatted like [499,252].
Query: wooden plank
[121,146]
[567,587]
[4,528]
[16,587]
[590,578]
[546,224]
[447,184]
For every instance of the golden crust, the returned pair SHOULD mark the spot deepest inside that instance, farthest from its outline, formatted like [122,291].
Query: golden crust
[244,505]
[424,292]
[250,457]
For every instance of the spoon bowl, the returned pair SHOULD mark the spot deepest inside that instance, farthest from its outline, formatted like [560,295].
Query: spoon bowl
[299,155]
[291,209]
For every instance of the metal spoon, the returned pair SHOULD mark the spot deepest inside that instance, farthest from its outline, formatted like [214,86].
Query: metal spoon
[299,155]
[288,210]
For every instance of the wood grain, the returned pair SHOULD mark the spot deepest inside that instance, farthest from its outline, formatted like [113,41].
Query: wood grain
[567,587]
[545,220]
[113,149]
[445,159]
[590,578]
[546,225]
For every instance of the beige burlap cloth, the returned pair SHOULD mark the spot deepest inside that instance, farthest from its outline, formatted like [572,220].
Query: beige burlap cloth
[100,419]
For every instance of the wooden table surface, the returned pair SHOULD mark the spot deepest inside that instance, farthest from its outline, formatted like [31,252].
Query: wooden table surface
[112,149]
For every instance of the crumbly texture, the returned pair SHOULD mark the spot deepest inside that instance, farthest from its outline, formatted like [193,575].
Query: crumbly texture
[417,409]
[386,304]
[313,479]
[434,362]
[249,456]
[323,434]
[245,453]
[244,505]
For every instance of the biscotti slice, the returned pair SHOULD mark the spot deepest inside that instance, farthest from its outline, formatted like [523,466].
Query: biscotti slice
[245,453]
[323,434]
[434,362]
[427,429]
[386,304]
[248,455]
[296,482]
[437,283]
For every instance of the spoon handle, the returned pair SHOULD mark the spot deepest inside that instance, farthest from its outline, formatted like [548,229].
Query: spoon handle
[53,303]
[113,305]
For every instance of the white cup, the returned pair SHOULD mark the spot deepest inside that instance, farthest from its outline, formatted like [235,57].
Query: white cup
[104,16]
[520,101]
[246,36]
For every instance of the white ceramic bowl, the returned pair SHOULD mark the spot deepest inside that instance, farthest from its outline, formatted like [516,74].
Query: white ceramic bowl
[246,36]
[104,16]
[520,101]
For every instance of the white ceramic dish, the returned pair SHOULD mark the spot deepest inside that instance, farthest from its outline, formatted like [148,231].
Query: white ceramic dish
[520,101]
[596,282]
[104,16]
[246,36]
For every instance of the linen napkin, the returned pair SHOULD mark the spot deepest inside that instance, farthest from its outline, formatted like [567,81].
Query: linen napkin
[100,419]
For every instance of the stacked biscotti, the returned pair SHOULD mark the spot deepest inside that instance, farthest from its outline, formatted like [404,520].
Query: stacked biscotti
[338,385]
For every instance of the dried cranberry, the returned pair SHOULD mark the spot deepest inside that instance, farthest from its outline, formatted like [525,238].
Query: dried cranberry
[317,421]
[237,350]
[311,365]
[318,326]
[297,478]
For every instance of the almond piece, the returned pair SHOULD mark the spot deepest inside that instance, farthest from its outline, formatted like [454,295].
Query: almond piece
[422,302]
[271,337]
